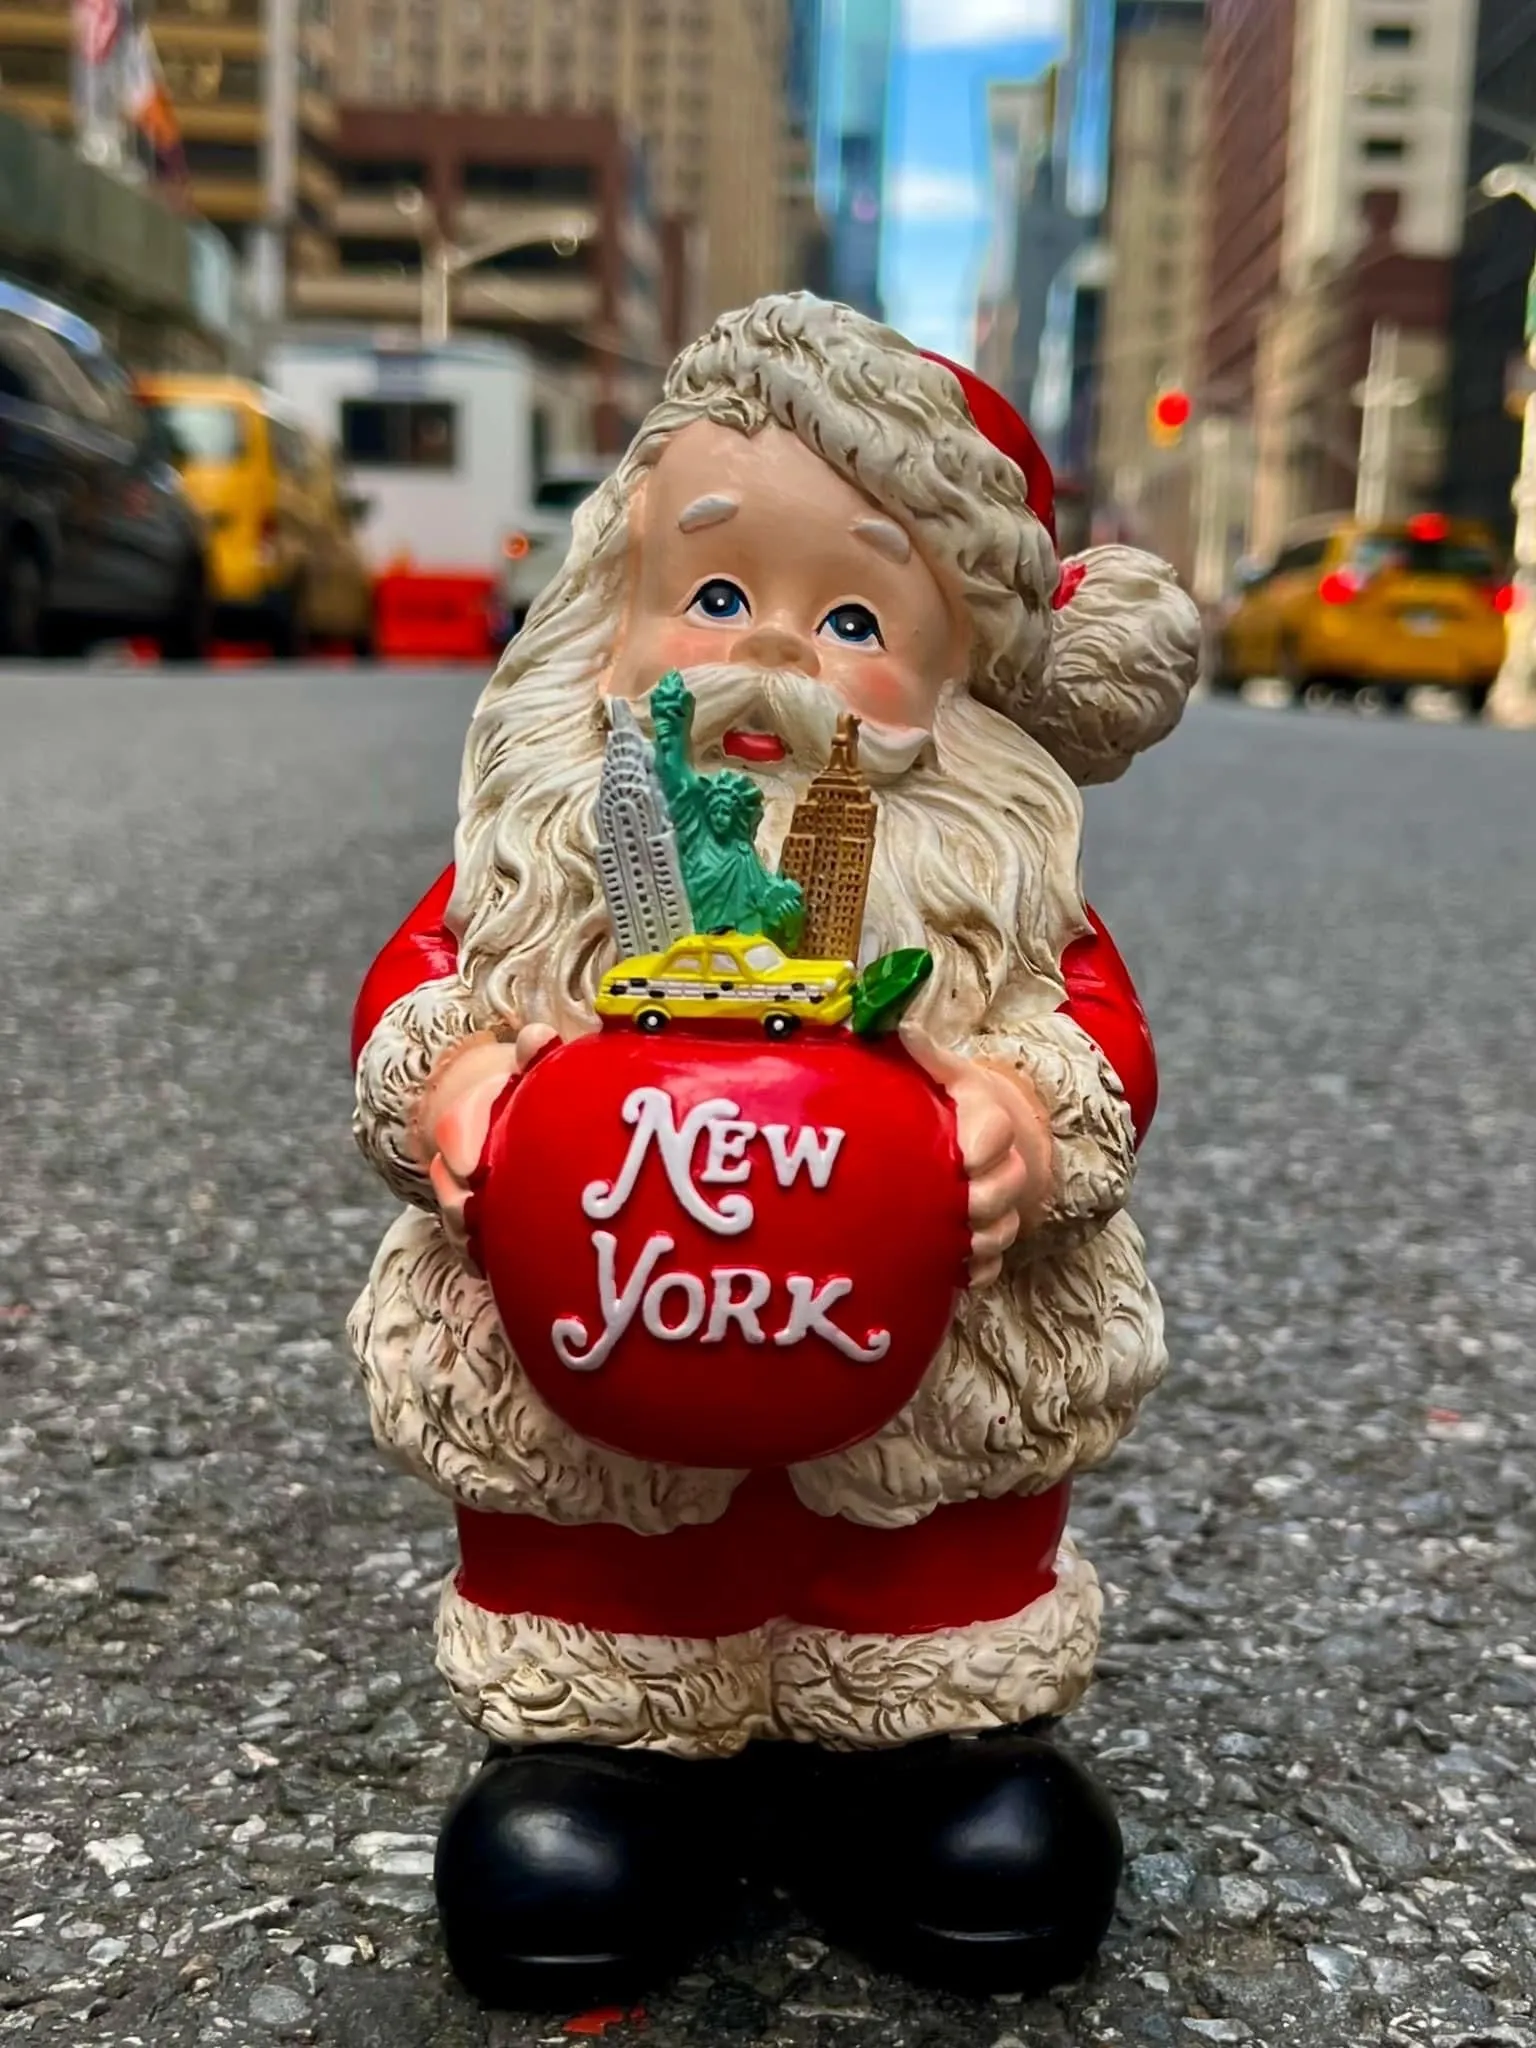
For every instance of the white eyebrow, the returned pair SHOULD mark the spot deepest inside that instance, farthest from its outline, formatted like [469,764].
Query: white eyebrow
[706,512]
[887,536]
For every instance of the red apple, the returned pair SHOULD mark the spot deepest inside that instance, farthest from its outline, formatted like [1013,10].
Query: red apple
[712,1250]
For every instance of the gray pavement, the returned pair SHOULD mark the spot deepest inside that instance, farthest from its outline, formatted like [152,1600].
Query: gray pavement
[223,1749]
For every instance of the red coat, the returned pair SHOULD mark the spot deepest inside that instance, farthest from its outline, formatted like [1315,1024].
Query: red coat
[771,1555]
[1100,995]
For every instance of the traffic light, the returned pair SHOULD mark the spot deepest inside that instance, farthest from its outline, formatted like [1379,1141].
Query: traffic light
[1168,416]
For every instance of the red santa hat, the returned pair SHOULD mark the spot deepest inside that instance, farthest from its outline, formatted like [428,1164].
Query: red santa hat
[994,417]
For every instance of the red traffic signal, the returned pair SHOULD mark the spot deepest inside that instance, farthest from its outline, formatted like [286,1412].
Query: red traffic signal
[1168,415]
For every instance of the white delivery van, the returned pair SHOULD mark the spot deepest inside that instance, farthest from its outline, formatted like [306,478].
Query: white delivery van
[438,440]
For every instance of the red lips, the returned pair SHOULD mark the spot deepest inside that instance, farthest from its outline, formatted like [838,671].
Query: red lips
[753,746]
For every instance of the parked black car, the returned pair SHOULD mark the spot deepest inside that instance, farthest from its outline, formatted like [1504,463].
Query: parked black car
[98,539]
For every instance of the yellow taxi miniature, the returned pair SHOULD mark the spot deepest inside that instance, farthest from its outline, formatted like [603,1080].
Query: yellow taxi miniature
[728,976]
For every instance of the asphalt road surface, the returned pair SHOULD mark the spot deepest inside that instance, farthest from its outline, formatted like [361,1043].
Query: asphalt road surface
[223,1748]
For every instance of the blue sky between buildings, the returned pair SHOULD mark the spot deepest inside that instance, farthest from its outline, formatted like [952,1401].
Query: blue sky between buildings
[937,196]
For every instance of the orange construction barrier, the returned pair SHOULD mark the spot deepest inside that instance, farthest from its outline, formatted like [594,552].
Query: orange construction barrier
[423,617]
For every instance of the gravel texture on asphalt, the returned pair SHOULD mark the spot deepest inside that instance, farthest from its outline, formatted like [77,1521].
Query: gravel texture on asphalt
[223,1747]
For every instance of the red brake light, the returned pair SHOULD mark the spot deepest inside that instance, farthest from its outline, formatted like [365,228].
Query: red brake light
[1428,526]
[1339,587]
[1505,598]
[517,546]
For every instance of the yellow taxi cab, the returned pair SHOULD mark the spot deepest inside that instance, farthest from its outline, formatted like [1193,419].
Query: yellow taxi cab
[1380,608]
[728,977]
[284,561]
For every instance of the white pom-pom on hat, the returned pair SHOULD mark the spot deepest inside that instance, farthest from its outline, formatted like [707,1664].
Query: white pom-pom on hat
[1123,657]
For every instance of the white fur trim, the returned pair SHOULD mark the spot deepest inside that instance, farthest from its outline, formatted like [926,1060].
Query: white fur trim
[872,1691]
[405,1044]
[1040,1377]
[449,1402]
[525,1678]
[1093,1138]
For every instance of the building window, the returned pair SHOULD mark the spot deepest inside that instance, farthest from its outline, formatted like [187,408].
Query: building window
[399,433]
[1392,35]
[369,252]
[529,181]
[1384,148]
[239,160]
[39,70]
[383,174]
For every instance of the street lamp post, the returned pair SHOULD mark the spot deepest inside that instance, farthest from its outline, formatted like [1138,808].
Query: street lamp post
[1512,701]
[1379,398]
[442,261]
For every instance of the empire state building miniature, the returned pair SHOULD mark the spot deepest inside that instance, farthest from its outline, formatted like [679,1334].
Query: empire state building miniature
[830,848]
[637,857]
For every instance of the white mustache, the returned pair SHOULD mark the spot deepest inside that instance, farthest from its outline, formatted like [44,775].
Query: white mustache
[801,712]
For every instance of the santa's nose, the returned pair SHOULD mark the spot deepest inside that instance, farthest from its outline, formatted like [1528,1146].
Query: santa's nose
[774,645]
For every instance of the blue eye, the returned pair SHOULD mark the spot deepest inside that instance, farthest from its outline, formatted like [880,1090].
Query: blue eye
[718,599]
[855,625]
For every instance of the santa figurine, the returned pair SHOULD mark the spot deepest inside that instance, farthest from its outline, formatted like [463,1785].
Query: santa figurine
[802,722]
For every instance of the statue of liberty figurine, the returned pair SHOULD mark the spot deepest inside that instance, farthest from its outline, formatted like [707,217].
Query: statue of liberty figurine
[716,819]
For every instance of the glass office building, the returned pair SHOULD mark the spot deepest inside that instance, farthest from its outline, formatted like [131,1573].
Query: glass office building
[857,41]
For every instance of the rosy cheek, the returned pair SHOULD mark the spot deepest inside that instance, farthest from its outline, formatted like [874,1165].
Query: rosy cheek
[677,643]
[884,692]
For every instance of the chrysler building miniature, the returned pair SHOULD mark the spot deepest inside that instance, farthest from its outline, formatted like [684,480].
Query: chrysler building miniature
[637,855]
[829,850]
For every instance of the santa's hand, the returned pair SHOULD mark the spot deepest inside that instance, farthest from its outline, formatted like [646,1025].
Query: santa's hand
[1005,1144]
[453,1117]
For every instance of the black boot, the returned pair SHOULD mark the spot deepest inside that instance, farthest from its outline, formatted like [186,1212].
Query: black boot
[572,1875]
[980,1865]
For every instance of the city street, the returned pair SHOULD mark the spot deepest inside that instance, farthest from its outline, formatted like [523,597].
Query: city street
[224,1749]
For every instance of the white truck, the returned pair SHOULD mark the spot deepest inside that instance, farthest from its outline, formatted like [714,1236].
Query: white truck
[439,440]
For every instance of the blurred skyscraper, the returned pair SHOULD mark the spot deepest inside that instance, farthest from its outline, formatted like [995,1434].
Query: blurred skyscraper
[252,89]
[1154,222]
[1066,394]
[810,234]
[1489,374]
[1062,403]
[1019,263]
[703,83]
[1340,255]
[857,43]
[802,62]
